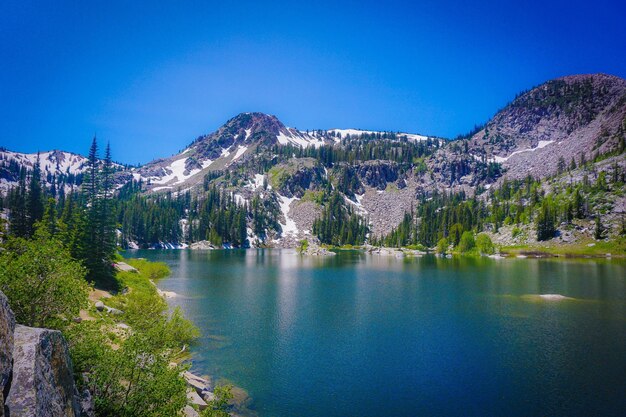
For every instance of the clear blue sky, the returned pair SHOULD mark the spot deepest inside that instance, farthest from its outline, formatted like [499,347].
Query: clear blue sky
[152,76]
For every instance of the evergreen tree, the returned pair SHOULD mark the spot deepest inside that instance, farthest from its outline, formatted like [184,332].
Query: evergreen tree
[35,208]
[546,221]
[18,220]
[598,233]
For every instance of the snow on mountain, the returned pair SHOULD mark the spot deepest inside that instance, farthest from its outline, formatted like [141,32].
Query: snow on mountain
[356,133]
[53,164]
[541,144]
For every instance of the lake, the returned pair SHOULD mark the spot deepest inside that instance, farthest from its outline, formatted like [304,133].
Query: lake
[366,335]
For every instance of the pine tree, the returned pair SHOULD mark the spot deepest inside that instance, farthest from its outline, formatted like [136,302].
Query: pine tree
[599,229]
[546,220]
[18,220]
[35,208]
[49,220]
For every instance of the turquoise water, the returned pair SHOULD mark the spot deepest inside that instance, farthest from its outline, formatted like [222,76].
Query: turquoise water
[362,335]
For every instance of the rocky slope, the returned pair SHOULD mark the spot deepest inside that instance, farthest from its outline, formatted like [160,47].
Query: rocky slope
[563,118]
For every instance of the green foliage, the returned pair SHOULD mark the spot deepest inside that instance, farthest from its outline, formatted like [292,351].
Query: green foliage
[95,237]
[129,372]
[303,246]
[546,220]
[442,246]
[219,406]
[467,242]
[339,225]
[41,280]
[484,244]
[133,379]
[599,230]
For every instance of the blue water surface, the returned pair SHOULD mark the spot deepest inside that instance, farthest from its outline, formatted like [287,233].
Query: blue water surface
[366,335]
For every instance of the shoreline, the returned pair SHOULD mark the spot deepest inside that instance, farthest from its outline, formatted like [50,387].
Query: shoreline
[509,252]
[202,387]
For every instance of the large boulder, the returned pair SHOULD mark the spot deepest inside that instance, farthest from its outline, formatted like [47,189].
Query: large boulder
[7,327]
[43,381]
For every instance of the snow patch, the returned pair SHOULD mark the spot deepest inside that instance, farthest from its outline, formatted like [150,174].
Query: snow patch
[540,145]
[256,182]
[240,151]
[289,227]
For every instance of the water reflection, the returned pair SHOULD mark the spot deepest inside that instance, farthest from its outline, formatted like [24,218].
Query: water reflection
[366,335]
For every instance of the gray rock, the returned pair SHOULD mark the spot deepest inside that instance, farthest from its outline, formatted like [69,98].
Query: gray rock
[123,266]
[7,328]
[189,411]
[195,399]
[43,380]
[99,305]
[87,407]
[114,311]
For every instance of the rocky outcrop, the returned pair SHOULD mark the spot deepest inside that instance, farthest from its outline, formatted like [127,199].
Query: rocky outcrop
[43,380]
[377,174]
[7,328]
[36,372]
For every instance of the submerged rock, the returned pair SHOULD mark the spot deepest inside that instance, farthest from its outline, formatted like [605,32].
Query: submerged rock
[554,297]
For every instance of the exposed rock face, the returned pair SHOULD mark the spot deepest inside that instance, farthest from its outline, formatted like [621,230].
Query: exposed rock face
[36,375]
[7,327]
[565,117]
[377,174]
[296,176]
[43,380]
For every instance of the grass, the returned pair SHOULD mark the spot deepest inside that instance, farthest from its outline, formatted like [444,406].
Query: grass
[616,248]
[277,176]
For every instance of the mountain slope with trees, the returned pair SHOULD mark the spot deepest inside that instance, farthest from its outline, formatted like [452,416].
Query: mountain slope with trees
[256,182]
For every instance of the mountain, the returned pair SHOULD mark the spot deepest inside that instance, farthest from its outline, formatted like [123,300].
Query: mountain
[56,166]
[282,184]
[563,118]
[237,139]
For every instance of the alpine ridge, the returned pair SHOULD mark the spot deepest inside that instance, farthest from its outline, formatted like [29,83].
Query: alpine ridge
[284,182]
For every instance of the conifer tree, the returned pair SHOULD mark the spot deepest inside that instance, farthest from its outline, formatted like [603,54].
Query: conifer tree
[34,207]
[18,220]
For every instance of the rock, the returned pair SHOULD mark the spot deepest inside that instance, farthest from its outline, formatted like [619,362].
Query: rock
[195,399]
[114,311]
[208,396]
[77,319]
[554,297]
[43,380]
[189,411]
[202,245]
[87,408]
[196,382]
[7,328]
[123,266]
[99,305]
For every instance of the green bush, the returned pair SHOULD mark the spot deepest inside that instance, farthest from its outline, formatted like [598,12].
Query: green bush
[219,406]
[41,280]
[484,244]
[467,242]
[442,246]
[129,371]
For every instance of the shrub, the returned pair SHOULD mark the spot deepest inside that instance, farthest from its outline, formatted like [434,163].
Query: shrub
[467,242]
[442,246]
[484,244]
[41,280]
